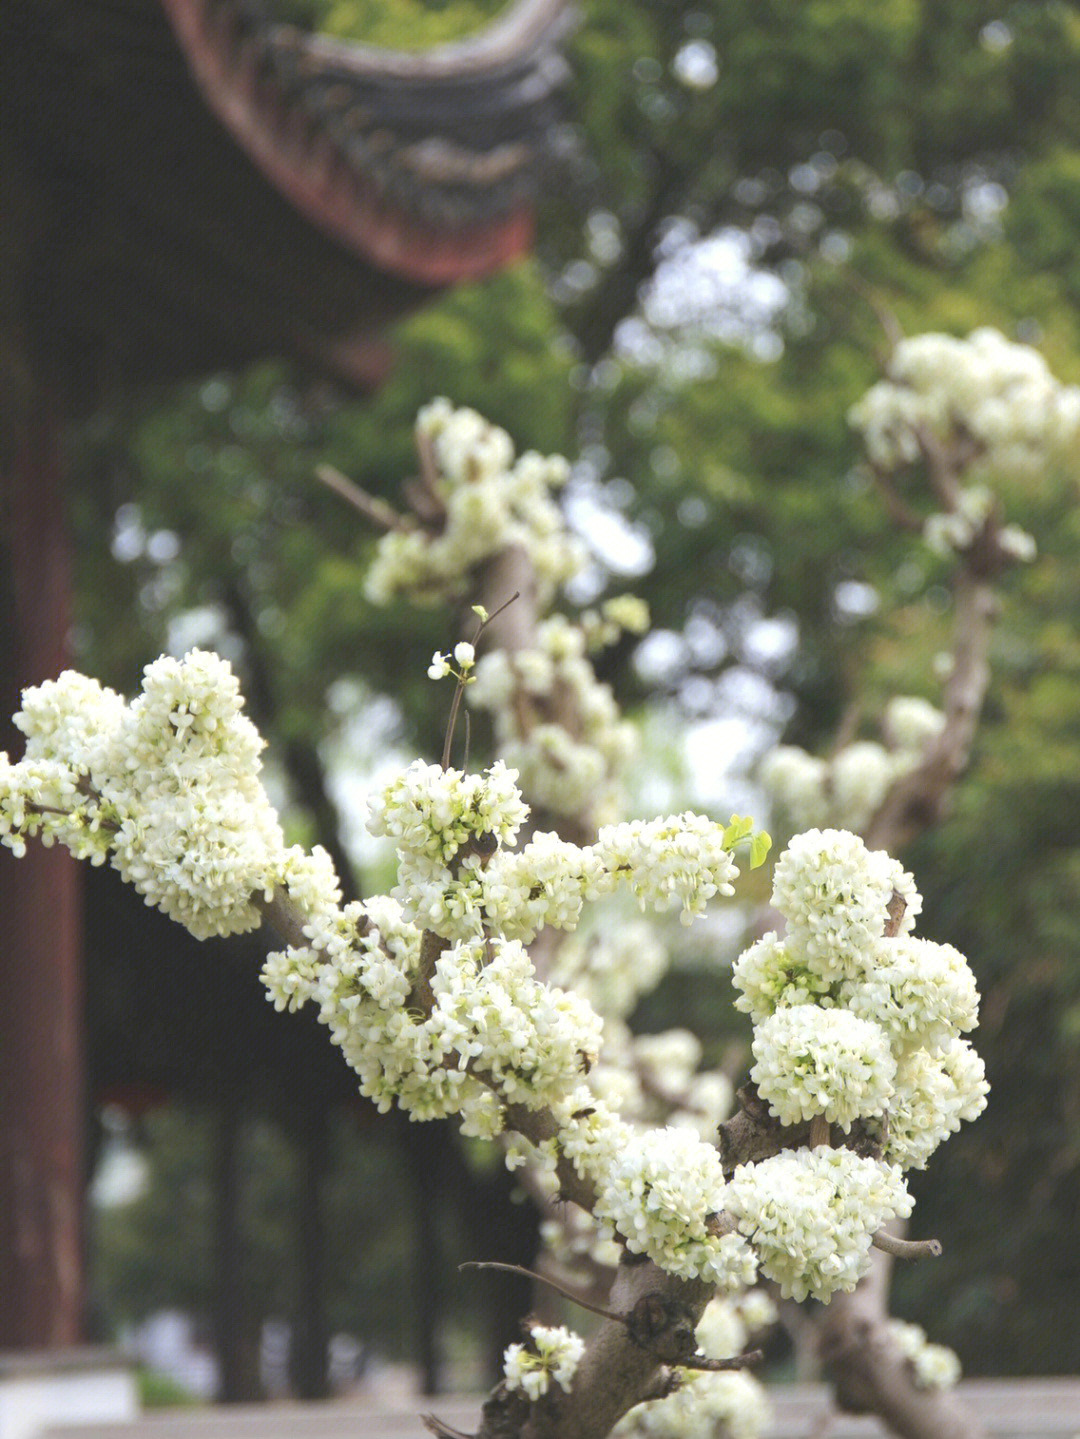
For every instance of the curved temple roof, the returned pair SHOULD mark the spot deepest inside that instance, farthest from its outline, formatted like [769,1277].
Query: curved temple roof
[189,186]
[425,162]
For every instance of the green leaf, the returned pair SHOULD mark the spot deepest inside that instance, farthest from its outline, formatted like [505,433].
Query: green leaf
[739,828]
[759,848]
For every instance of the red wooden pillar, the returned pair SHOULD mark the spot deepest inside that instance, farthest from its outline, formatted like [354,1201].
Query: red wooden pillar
[41,1073]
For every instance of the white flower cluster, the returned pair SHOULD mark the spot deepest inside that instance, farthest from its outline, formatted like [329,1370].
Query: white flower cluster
[853,1021]
[433,812]
[552,1353]
[682,860]
[911,723]
[934,1365]
[620,614]
[455,881]
[935,1094]
[664,1193]
[921,994]
[166,788]
[731,1404]
[985,389]
[310,882]
[546,884]
[530,693]
[447,825]
[491,501]
[535,1041]
[993,404]
[822,1061]
[835,894]
[489,1012]
[846,791]
[811,1214]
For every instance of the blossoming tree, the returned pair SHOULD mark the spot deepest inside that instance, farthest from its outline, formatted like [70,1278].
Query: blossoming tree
[494,981]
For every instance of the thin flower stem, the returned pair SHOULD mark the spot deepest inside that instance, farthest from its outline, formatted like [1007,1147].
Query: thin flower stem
[455,703]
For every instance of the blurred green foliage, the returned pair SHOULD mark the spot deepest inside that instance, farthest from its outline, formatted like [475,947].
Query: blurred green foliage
[880,160]
[158,1391]
[393,24]
[158,1250]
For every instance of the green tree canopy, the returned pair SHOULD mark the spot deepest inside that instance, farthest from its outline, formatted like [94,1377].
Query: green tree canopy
[873,163]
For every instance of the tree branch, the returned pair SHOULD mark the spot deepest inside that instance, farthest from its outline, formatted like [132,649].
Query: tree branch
[871,1375]
[373,509]
[919,798]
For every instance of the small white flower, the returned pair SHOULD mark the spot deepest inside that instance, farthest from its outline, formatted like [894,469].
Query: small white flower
[552,1353]
[934,1366]
[1017,543]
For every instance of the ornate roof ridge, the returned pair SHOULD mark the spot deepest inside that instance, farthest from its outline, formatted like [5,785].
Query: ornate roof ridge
[425,163]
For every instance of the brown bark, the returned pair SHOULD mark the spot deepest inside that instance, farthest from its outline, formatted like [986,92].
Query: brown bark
[41,1078]
[871,1375]
[617,1372]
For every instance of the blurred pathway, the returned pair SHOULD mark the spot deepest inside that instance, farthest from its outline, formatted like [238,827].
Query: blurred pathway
[1009,1409]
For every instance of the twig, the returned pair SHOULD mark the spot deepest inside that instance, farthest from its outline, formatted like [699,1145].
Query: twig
[720,1366]
[423,492]
[382,515]
[939,469]
[542,1279]
[651,1322]
[916,800]
[421,997]
[886,319]
[441,1430]
[906,1248]
[900,513]
[896,909]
